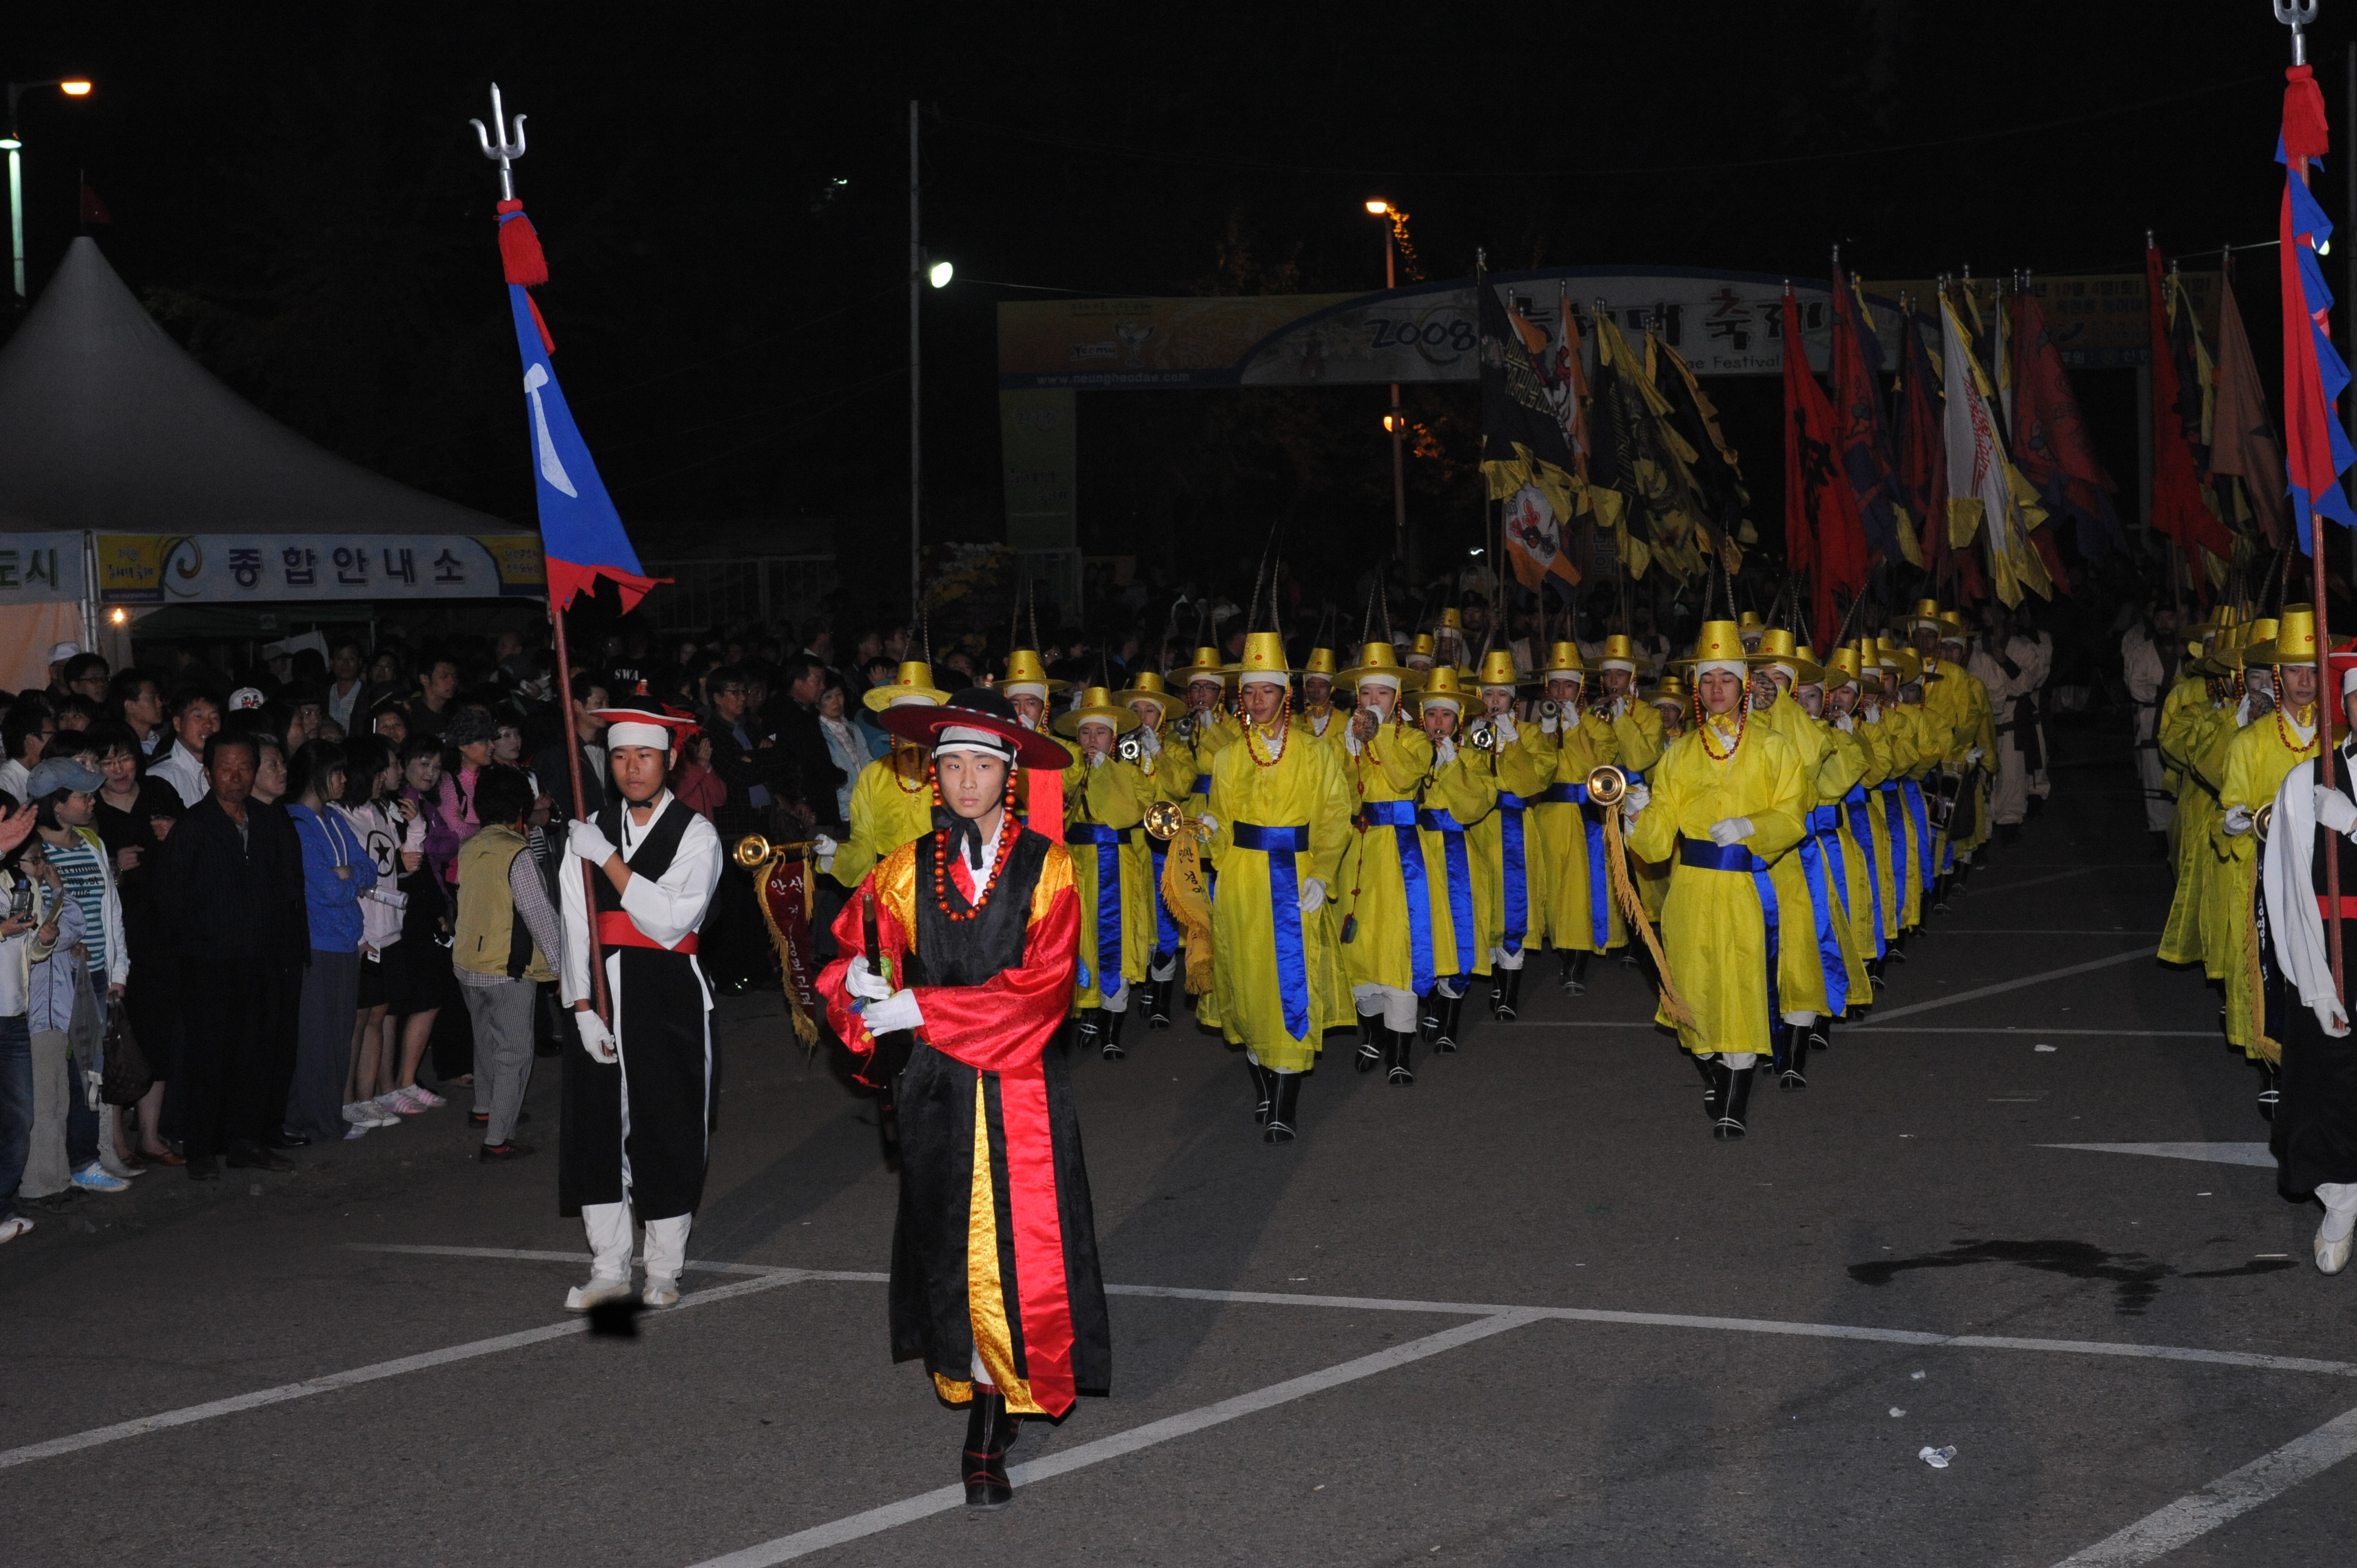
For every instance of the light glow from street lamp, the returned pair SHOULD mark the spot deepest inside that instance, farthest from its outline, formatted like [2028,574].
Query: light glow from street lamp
[939,273]
[1377,208]
[74,89]
[1394,423]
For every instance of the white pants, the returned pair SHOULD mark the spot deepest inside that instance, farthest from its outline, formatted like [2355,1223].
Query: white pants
[608,1225]
[1397,1008]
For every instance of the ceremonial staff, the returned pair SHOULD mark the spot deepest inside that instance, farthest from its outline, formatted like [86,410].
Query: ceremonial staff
[581,535]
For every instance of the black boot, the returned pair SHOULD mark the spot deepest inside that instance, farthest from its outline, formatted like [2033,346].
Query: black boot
[1091,1030]
[1738,1099]
[1110,1036]
[1939,893]
[1427,1015]
[1899,944]
[1718,1079]
[1157,1002]
[1442,1016]
[1371,1050]
[1793,1056]
[1820,1034]
[1497,990]
[990,1432]
[2270,1090]
[1507,1008]
[1574,971]
[1399,1056]
[1874,974]
[1280,1120]
[1263,1090]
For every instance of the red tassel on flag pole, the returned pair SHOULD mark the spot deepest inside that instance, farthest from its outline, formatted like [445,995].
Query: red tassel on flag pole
[520,247]
[2305,135]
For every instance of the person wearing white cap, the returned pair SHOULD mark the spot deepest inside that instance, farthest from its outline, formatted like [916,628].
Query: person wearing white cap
[61,655]
[638,1101]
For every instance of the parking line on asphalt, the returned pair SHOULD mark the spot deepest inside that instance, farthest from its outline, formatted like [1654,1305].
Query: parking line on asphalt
[1975,994]
[801,1543]
[2228,1497]
[334,1382]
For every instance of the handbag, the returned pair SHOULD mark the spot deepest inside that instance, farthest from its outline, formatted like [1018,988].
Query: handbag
[128,1077]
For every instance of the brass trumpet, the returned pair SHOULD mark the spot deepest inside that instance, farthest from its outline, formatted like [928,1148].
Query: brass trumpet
[1549,708]
[2262,820]
[1483,735]
[1164,819]
[753,850]
[1605,785]
[1131,748]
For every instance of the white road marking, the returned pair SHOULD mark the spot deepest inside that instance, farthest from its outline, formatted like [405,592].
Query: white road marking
[2216,1153]
[2227,1498]
[1978,992]
[2030,1031]
[2037,931]
[801,1543]
[334,1382]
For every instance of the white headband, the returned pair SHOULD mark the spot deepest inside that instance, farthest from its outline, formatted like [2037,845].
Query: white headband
[982,742]
[1450,702]
[630,733]
[1493,686]
[1792,671]
[912,700]
[1026,689]
[1620,664]
[1391,681]
[1735,667]
[1264,678]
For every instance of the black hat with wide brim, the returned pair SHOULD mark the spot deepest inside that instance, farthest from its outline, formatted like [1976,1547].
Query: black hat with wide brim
[977,707]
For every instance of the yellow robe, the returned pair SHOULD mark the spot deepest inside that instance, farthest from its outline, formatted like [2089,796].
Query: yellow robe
[2256,763]
[1561,829]
[1830,769]
[1112,796]
[1467,791]
[2190,692]
[1389,772]
[1894,740]
[1869,877]
[1302,789]
[888,810]
[1518,775]
[2198,740]
[1713,930]
[1169,775]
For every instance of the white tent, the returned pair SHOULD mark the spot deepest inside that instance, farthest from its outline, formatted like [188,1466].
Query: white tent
[131,477]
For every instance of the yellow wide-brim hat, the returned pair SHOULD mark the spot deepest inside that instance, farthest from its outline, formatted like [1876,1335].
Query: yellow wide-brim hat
[1381,658]
[1443,688]
[1498,669]
[2294,642]
[1620,649]
[1025,669]
[1671,689]
[1149,689]
[1320,662]
[2225,656]
[1719,641]
[1563,658]
[1841,669]
[1097,706]
[1264,659]
[1777,647]
[914,686]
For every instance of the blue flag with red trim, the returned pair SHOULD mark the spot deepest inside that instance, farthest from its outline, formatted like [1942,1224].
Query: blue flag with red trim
[2315,449]
[580,531]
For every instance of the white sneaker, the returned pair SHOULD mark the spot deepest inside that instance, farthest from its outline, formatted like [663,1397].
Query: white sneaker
[357,1129]
[359,1114]
[597,1293]
[661,1291]
[2331,1257]
[93,1177]
[427,1099]
[378,1116]
[16,1225]
[401,1101]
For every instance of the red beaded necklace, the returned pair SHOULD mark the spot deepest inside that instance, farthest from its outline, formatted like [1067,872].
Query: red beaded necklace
[1283,717]
[2282,732]
[1007,830]
[1702,726]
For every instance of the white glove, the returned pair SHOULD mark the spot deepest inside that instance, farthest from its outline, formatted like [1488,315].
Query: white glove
[596,1038]
[1730,829]
[1149,741]
[1207,822]
[1444,752]
[826,848]
[1548,726]
[1313,892]
[862,980]
[1634,802]
[2238,820]
[1097,759]
[1972,758]
[1845,723]
[583,837]
[1350,741]
[897,1012]
[1505,722]
[2334,810]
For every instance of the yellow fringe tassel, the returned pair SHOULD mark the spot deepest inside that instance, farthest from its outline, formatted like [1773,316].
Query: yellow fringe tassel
[1632,912]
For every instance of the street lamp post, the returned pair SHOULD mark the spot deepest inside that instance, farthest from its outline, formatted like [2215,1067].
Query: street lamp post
[72,87]
[1395,421]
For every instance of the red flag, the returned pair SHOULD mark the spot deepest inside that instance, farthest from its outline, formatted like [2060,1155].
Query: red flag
[2177,509]
[2049,437]
[2244,441]
[1923,472]
[1822,532]
[93,210]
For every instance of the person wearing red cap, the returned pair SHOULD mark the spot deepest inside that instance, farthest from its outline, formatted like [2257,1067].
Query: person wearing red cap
[960,947]
[638,1102]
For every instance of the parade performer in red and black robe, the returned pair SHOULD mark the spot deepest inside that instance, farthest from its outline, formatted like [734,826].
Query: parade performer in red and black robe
[971,946]
[638,1101]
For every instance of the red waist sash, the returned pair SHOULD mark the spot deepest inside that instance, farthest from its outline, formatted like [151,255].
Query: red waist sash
[616,930]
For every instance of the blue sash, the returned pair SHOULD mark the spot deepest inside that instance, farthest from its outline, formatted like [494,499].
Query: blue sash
[1924,852]
[1815,865]
[1862,831]
[1516,863]
[1460,882]
[1281,845]
[1167,934]
[1400,817]
[1707,856]
[1894,810]
[1591,817]
[1108,843]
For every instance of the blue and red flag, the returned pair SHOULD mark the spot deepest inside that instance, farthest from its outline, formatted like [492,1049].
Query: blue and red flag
[579,530]
[2315,449]
[1865,453]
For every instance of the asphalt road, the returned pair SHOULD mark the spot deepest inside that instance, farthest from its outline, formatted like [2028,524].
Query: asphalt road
[1523,1313]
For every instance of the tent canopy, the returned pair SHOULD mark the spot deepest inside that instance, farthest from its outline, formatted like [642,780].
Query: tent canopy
[108,425]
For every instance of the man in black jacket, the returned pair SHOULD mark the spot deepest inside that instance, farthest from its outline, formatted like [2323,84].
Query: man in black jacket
[230,886]
[760,773]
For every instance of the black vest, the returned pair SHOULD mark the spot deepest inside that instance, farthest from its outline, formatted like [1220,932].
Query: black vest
[653,856]
[968,952]
[2328,842]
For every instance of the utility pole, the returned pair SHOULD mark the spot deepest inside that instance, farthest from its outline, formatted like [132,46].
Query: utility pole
[916,396]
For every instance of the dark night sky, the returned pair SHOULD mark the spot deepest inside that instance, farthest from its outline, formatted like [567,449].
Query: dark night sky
[296,189]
